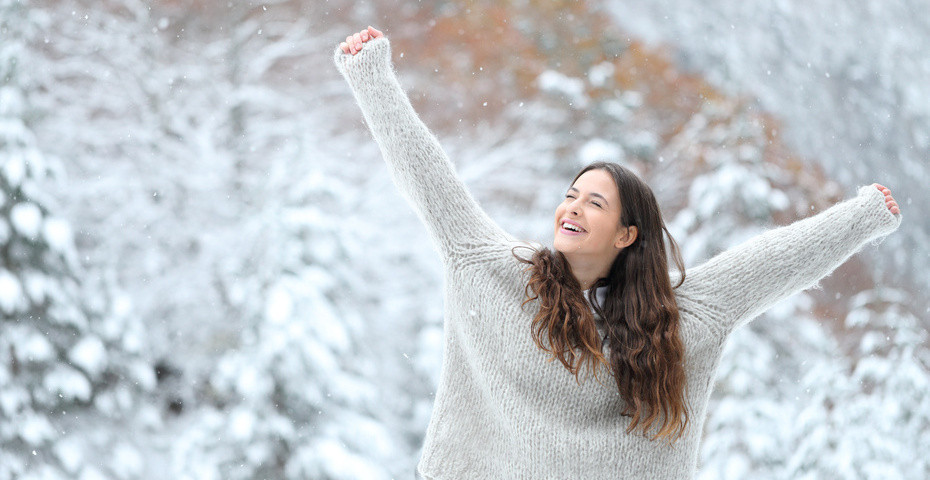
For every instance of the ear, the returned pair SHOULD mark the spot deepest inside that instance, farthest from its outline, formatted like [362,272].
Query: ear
[627,237]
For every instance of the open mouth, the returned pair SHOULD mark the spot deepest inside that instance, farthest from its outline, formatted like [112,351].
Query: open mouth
[571,228]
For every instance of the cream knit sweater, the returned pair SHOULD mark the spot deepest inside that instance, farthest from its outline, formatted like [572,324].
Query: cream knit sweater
[502,411]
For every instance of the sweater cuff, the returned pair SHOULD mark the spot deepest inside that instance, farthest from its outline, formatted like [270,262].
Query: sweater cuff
[876,213]
[372,59]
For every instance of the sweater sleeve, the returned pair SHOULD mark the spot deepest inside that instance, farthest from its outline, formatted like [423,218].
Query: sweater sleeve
[744,281]
[417,163]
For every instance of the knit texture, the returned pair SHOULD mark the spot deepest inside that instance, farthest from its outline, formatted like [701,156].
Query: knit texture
[502,410]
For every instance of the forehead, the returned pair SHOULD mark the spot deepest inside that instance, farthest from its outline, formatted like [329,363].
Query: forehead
[597,181]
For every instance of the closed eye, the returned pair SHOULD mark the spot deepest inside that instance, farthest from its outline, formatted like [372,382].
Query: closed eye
[597,204]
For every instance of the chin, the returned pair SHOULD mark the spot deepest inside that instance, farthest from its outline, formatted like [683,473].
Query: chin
[560,247]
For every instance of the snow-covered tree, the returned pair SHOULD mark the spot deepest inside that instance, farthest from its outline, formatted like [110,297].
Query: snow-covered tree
[866,415]
[793,399]
[296,398]
[70,353]
[856,105]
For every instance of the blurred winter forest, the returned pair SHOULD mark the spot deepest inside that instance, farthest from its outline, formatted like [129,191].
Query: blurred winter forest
[207,273]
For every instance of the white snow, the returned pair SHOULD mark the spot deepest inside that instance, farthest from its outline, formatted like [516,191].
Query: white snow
[11,293]
[127,461]
[327,324]
[598,149]
[67,382]
[598,74]
[252,383]
[557,82]
[14,167]
[37,286]
[91,473]
[26,218]
[632,98]
[58,234]
[144,374]
[89,354]
[70,454]
[35,347]
[279,305]
[35,429]
[332,460]
[242,423]
[12,399]
[11,102]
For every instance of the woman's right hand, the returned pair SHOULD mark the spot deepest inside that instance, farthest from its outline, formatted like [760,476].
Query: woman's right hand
[353,43]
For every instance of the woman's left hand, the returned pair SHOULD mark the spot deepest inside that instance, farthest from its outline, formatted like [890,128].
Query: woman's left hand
[353,43]
[889,200]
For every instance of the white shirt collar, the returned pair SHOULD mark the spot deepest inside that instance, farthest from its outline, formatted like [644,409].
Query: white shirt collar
[599,295]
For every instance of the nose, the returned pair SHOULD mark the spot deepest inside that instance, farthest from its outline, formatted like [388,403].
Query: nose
[574,207]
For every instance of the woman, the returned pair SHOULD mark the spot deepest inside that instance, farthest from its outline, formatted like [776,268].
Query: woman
[502,409]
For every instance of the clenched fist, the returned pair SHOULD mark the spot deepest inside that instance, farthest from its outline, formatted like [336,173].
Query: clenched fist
[353,43]
[889,200]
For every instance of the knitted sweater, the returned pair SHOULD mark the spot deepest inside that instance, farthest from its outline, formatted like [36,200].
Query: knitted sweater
[502,410]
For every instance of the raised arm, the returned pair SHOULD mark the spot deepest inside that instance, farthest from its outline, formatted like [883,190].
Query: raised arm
[419,166]
[744,281]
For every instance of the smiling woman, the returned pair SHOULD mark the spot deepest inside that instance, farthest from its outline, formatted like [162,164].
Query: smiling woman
[609,236]
[592,245]
[503,409]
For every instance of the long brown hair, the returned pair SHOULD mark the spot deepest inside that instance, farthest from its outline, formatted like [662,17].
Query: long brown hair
[645,354]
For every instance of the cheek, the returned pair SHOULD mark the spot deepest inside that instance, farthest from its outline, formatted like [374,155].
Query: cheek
[603,225]
[559,212]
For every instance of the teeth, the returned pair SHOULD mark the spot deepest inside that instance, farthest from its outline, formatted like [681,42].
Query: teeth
[569,226]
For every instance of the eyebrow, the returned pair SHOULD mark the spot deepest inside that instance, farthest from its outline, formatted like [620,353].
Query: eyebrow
[593,194]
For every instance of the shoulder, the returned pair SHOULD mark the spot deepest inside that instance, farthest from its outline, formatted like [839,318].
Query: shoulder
[523,250]
[505,258]
[698,316]
[491,276]
[700,321]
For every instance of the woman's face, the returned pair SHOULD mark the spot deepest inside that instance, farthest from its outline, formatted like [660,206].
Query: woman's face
[587,222]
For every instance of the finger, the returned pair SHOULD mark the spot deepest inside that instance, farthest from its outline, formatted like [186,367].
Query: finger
[375,33]
[358,41]
[895,210]
[364,35]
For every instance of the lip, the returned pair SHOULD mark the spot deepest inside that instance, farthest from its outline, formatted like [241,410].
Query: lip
[563,231]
